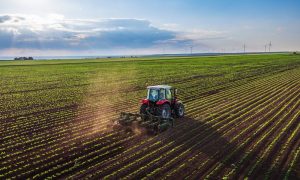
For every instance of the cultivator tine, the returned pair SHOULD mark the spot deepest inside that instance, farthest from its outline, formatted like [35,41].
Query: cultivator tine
[127,118]
[149,121]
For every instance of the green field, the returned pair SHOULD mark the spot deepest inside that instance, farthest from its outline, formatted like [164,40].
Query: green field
[242,120]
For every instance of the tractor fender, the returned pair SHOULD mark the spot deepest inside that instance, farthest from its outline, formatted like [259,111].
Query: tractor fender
[145,101]
[178,102]
[161,102]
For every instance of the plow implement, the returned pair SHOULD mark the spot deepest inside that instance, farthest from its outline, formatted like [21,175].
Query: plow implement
[148,121]
[157,111]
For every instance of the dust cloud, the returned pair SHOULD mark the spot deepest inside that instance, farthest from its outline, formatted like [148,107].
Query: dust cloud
[105,98]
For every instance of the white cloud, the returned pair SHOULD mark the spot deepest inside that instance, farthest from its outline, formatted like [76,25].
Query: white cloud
[55,32]
[198,35]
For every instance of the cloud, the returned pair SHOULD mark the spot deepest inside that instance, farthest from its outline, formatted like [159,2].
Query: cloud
[8,18]
[203,34]
[4,18]
[59,33]
[55,32]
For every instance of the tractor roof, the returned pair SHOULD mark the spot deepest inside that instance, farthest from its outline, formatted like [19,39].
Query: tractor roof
[159,87]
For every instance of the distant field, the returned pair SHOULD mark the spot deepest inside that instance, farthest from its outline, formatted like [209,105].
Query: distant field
[242,120]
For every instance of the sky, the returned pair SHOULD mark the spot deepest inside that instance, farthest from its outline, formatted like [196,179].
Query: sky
[134,27]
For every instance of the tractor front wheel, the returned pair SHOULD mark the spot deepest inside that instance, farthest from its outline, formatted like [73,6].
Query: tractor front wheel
[165,111]
[179,110]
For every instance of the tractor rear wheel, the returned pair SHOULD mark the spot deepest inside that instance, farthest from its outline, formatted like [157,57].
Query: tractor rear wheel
[179,110]
[143,111]
[165,111]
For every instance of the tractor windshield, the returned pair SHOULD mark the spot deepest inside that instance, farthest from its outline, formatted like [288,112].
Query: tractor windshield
[153,94]
[162,94]
[156,94]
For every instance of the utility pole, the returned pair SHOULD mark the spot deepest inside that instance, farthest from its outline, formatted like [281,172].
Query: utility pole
[191,50]
[244,46]
[270,44]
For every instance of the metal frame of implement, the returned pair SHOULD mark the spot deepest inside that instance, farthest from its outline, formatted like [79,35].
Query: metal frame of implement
[149,121]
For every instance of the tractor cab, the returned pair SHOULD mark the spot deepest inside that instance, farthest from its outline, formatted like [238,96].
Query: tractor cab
[162,101]
[160,93]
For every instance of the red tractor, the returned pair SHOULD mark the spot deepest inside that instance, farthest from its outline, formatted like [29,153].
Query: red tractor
[162,101]
[158,110]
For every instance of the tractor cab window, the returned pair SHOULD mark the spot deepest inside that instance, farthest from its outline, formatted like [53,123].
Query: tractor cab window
[153,95]
[162,94]
[169,94]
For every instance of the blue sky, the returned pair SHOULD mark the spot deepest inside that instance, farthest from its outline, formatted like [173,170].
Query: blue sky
[109,27]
